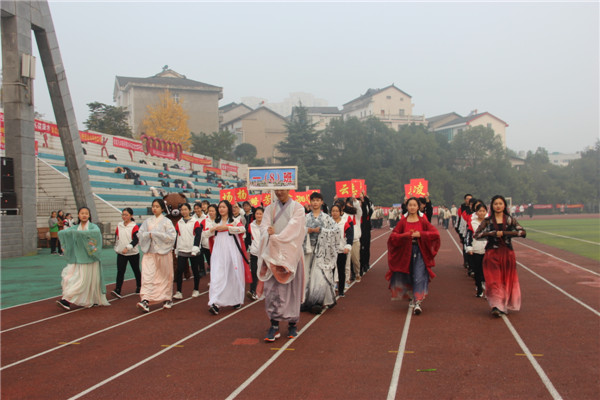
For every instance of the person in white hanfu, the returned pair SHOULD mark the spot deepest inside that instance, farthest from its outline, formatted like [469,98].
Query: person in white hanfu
[157,237]
[281,263]
[320,257]
[229,269]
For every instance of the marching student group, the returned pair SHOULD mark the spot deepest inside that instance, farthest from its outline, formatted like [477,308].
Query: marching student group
[295,258]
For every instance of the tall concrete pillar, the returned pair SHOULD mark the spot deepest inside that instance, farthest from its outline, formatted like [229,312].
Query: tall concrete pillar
[18,115]
[18,18]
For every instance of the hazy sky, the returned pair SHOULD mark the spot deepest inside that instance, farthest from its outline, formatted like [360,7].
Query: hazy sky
[535,65]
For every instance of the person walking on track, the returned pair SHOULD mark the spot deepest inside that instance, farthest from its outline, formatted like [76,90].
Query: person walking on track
[502,287]
[412,247]
[127,249]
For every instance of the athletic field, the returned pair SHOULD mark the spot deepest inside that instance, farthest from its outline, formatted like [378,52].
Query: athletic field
[367,347]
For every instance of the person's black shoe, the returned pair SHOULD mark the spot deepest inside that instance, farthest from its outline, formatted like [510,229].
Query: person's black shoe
[64,304]
[496,312]
[117,294]
[237,306]
[214,310]
[316,309]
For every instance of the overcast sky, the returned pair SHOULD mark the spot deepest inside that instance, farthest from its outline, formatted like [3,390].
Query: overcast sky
[534,65]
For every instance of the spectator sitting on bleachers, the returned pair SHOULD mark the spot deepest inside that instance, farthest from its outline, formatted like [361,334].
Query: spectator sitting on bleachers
[119,170]
[84,151]
[163,175]
[138,181]
[208,191]
[142,162]
[112,157]
[175,166]
[179,183]
[165,167]
[164,183]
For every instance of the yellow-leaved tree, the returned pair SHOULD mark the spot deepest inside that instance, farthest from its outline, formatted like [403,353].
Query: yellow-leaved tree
[168,120]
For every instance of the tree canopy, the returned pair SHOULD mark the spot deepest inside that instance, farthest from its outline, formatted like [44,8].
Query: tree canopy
[108,119]
[216,145]
[168,120]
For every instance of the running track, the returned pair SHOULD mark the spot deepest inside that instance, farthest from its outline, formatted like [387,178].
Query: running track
[367,347]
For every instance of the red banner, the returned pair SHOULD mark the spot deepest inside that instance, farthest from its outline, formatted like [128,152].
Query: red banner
[196,160]
[206,168]
[229,167]
[542,206]
[87,137]
[127,144]
[302,198]
[416,188]
[241,194]
[266,199]
[358,186]
[574,205]
[227,194]
[343,189]
[255,200]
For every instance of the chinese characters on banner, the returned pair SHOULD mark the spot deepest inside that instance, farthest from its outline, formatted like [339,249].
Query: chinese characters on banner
[302,197]
[266,199]
[255,200]
[416,188]
[351,188]
[227,194]
[262,178]
[241,194]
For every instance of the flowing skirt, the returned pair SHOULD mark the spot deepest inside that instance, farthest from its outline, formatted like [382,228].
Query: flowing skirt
[82,285]
[414,284]
[320,288]
[282,300]
[501,281]
[227,273]
[157,277]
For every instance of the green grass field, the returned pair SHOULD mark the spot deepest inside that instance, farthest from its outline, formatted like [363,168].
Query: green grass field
[583,229]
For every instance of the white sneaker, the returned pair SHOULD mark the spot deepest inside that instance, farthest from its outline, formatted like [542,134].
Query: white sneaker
[168,304]
[178,296]
[195,293]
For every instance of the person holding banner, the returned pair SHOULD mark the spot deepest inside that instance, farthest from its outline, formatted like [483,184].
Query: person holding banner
[320,256]
[281,263]
[412,247]
[229,270]
[502,287]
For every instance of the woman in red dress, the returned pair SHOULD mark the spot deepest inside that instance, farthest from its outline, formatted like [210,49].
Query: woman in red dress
[499,263]
[412,246]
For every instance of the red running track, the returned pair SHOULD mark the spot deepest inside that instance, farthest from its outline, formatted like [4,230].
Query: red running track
[454,350]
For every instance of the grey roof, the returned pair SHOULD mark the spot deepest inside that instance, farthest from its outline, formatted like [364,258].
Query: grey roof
[231,106]
[166,81]
[440,117]
[244,116]
[323,110]
[373,92]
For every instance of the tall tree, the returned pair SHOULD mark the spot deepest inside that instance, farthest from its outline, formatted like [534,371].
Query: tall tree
[217,145]
[168,120]
[108,119]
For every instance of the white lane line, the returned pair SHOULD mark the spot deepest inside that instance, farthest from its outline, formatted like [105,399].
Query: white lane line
[279,352]
[561,290]
[55,316]
[144,361]
[401,349]
[562,236]
[47,298]
[553,392]
[89,335]
[560,259]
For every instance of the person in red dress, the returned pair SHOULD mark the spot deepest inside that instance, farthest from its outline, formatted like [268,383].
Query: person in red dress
[502,287]
[412,246]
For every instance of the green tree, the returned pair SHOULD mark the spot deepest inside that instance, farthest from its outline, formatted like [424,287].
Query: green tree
[301,148]
[108,119]
[217,145]
[245,152]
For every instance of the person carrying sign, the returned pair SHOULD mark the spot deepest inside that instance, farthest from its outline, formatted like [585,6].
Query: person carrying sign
[281,263]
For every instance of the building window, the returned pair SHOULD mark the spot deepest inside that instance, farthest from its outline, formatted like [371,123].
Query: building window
[176,97]
[383,113]
[489,126]
[388,97]
[401,112]
[401,98]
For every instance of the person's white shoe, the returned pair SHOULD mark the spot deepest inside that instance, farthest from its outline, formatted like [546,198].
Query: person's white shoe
[195,293]
[178,296]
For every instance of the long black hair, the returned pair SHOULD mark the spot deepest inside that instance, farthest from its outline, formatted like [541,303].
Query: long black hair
[161,203]
[496,197]
[89,212]
[229,211]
